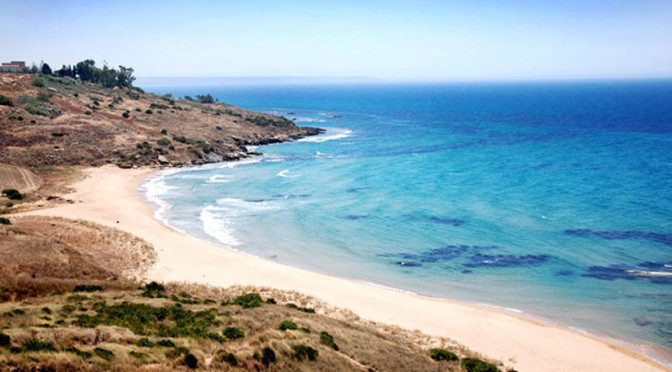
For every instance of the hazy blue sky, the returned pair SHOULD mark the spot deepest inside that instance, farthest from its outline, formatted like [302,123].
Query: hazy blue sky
[400,40]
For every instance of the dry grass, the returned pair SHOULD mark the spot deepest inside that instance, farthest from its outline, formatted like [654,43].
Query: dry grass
[361,346]
[45,254]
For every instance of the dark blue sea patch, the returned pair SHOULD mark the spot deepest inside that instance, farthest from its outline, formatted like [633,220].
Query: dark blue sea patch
[564,273]
[505,260]
[654,272]
[408,263]
[355,217]
[356,189]
[447,221]
[445,253]
[623,235]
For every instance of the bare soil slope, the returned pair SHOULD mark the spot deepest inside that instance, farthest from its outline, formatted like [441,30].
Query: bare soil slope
[12,177]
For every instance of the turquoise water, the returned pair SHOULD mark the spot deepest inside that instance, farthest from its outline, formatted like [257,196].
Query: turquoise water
[554,199]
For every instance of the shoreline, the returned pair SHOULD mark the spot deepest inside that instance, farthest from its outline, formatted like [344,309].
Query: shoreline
[110,196]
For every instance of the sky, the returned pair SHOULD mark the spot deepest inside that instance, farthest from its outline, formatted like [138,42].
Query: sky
[432,40]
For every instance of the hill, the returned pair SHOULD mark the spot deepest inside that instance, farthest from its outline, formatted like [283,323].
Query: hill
[47,120]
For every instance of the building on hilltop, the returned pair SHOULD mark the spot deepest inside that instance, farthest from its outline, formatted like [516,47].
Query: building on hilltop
[14,66]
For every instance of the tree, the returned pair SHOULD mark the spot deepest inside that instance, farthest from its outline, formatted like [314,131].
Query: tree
[46,70]
[33,69]
[125,76]
[85,70]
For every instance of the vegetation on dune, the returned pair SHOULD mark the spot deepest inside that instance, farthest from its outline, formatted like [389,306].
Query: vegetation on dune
[172,327]
[442,354]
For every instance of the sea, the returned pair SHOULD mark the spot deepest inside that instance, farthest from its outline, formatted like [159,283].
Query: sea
[548,199]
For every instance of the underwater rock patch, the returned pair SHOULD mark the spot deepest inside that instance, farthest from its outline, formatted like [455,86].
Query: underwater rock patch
[505,260]
[655,272]
[623,235]
[447,221]
[355,217]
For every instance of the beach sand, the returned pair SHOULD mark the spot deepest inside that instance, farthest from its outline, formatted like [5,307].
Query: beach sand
[109,196]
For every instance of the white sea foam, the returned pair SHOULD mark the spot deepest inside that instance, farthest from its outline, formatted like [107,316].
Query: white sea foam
[218,220]
[154,189]
[303,119]
[217,226]
[285,174]
[220,178]
[331,135]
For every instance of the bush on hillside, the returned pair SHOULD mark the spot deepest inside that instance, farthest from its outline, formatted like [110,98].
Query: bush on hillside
[248,300]
[302,352]
[442,354]
[12,194]
[477,365]
[5,101]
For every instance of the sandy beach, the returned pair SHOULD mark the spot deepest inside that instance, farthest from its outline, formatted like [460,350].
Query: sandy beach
[109,196]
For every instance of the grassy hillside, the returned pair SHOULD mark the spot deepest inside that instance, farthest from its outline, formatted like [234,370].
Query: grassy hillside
[49,120]
[69,301]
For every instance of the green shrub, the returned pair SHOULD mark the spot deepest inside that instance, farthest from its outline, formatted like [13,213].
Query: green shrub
[442,354]
[248,300]
[87,112]
[46,310]
[477,365]
[216,337]
[302,352]
[207,98]
[233,333]
[81,354]
[38,82]
[5,101]
[303,309]
[137,355]
[328,340]
[104,353]
[191,361]
[288,325]
[163,142]
[87,288]
[35,345]
[164,132]
[165,343]
[126,115]
[144,342]
[148,112]
[4,221]
[267,356]
[153,289]
[227,357]
[12,194]
[176,352]
[57,134]
[5,340]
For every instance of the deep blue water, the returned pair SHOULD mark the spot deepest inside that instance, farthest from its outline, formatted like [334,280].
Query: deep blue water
[551,198]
